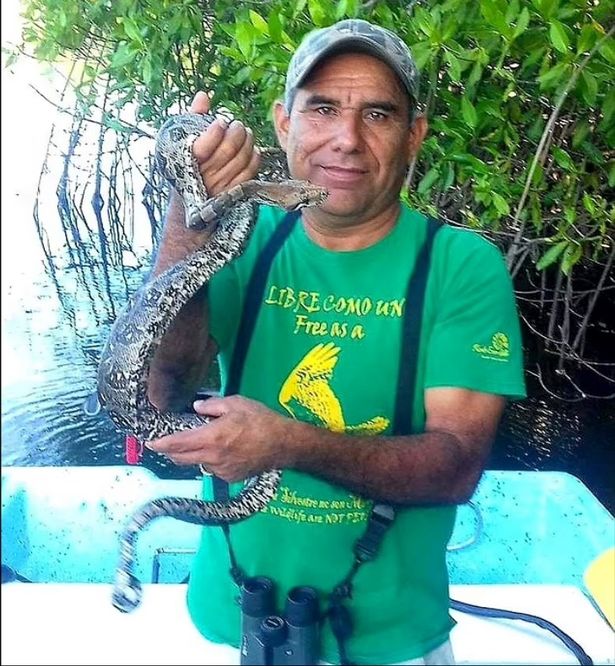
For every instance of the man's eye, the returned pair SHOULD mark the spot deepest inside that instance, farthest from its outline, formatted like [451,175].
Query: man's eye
[325,110]
[376,115]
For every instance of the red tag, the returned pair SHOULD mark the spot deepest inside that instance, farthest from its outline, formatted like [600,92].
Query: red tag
[133,450]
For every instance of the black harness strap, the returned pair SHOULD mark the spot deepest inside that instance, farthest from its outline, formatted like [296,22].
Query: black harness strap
[411,334]
[221,494]
[253,298]
[382,515]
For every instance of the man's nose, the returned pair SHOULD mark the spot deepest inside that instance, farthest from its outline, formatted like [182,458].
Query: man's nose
[348,133]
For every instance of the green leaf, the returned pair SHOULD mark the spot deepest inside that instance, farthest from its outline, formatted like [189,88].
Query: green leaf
[147,71]
[570,214]
[522,23]
[11,59]
[589,87]
[243,35]
[580,133]
[259,22]
[122,56]
[538,176]
[562,159]
[449,176]
[607,50]
[423,54]
[612,174]
[558,37]
[116,125]
[572,255]
[475,74]
[423,21]
[545,7]
[454,67]
[317,13]
[554,75]
[589,204]
[551,255]
[428,180]
[594,154]
[382,14]
[608,106]
[500,204]
[536,213]
[275,26]
[587,38]
[299,7]
[494,17]
[132,30]
[242,75]
[468,112]
[341,9]
[476,165]
[512,10]
[231,52]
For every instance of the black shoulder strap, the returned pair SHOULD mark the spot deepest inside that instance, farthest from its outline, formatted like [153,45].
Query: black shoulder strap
[253,298]
[411,334]
[382,515]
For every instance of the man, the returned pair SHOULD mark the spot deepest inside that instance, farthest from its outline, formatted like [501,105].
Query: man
[319,393]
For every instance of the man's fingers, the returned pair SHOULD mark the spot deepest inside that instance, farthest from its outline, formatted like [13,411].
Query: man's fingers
[225,153]
[227,149]
[179,442]
[189,458]
[211,407]
[201,103]
[250,171]
[226,175]
[206,145]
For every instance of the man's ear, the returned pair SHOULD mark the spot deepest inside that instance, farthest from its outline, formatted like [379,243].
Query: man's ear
[281,121]
[417,134]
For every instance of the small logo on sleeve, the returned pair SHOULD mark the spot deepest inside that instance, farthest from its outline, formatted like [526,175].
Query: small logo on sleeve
[498,350]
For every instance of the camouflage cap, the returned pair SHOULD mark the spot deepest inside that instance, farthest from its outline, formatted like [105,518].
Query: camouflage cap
[351,34]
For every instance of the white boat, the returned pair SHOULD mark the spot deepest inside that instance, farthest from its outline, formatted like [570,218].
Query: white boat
[524,543]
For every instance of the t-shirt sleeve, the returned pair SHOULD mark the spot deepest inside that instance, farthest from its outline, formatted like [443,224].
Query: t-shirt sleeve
[475,341]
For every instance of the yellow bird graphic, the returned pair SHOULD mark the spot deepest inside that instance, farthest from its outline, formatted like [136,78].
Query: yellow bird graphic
[307,392]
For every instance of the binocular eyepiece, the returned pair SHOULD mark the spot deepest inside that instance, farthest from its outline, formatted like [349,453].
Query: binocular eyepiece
[270,638]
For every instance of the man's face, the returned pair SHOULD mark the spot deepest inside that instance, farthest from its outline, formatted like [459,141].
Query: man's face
[349,131]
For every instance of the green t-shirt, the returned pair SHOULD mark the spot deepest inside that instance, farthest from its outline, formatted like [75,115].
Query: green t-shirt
[325,349]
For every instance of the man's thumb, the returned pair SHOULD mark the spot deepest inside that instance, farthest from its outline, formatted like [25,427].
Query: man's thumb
[200,103]
[210,407]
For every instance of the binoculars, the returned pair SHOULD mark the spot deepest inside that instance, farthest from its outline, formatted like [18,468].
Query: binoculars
[269,638]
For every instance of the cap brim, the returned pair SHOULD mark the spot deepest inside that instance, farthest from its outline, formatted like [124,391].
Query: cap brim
[356,45]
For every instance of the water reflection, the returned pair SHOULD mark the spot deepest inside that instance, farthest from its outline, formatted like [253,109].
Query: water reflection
[51,355]
[542,433]
[84,253]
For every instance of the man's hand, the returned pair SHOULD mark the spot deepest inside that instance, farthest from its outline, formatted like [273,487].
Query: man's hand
[225,151]
[244,438]
[440,466]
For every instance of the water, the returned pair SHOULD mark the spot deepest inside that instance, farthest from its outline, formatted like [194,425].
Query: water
[62,287]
